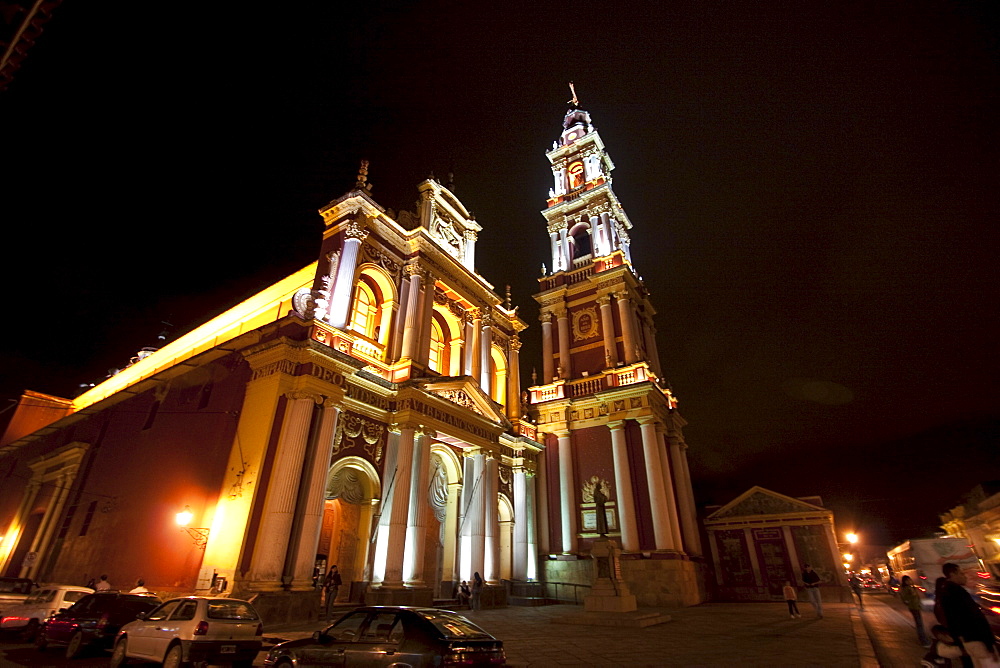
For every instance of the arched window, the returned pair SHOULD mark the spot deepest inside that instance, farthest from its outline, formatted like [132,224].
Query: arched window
[435,357]
[576,176]
[498,380]
[579,237]
[364,311]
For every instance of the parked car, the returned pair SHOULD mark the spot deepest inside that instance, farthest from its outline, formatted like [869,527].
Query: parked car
[28,617]
[13,591]
[193,629]
[93,621]
[384,636]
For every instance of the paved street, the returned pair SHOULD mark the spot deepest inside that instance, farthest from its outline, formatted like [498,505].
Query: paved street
[713,634]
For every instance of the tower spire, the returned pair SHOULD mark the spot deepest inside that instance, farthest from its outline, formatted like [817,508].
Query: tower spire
[575,102]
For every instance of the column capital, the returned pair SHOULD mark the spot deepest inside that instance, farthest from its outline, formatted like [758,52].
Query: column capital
[562,433]
[296,395]
[604,300]
[614,425]
[412,268]
[646,419]
[515,343]
[426,431]
[354,230]
[621,295]
[545,317]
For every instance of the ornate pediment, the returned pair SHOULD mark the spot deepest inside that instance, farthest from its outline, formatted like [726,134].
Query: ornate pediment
[465,392]
[760,501]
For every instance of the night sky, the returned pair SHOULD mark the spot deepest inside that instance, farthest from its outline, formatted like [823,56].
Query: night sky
[813,188]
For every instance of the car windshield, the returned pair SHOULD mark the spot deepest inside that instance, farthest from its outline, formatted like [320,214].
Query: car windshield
[72,596]
[230,609]
[14,586]
[453,626]
[43,596]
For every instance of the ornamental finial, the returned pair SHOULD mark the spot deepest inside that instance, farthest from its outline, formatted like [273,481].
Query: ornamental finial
[575,102]
[362,183]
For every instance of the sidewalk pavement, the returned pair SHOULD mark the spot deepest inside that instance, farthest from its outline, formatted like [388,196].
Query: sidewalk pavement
[711,634]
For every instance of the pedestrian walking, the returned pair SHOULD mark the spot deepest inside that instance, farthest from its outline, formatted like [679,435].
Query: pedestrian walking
[331,586]
[791,598]
[965,619]
[103,584]
[856,587]
[911,597]
[811,580]
[477,591]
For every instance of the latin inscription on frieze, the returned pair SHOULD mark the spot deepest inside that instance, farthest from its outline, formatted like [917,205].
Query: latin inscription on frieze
[281,366]
[447,418]
[328,375]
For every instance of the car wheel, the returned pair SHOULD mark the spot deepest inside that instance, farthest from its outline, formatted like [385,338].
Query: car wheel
[75,647]
[30,632]
[174,658]
[120,657]
[41,642]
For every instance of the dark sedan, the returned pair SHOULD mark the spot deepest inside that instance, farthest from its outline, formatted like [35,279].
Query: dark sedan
[94,620]
[389,636]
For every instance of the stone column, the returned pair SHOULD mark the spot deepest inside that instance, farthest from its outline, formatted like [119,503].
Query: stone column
[474,529]
[567,259]
[519,566]
[548,367]
[606,225]
[469,345]
[654,479]
[416,526]
[411,328]
[340,305]
[556,265]
[567,493]
[628,333]
[282,491]
[490,500]
[477,360]
[793,554]
[608,329]
[531,519]
[564,359]
[53,514]
[426,316]
[312,520]
[485,344]
[542,506]
[649,337]
[455,357]
[400,322]
[469,257]
[514,379]
[390,475]
[400,512]
[682,482]
[623,488]
[752,553]
[668,483]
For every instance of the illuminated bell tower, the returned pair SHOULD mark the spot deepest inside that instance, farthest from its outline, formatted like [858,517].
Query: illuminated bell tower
[606,413]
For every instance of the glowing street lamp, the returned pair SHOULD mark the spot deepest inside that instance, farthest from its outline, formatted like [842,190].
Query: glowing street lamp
[852,538]
[848,556]
[198,534]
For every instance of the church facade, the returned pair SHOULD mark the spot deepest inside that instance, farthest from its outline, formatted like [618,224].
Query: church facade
[367,411]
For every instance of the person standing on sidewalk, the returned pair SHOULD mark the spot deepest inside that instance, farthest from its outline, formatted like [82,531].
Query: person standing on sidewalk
[791,598]
[810,579]
[856,588]
[332,584]
[477,592]
[910,595]
[965,619]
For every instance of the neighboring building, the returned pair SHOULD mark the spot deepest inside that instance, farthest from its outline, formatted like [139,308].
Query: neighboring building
[604,410]
[761,538]
[977,519]
[366,411]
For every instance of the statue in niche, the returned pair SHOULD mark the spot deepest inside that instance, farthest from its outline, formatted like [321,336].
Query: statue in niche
[600,499]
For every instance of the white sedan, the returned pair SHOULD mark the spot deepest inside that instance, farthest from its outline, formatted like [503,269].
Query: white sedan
[193,629]
[39,606]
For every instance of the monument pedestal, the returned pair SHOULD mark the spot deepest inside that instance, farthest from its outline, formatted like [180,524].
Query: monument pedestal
[610,603]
